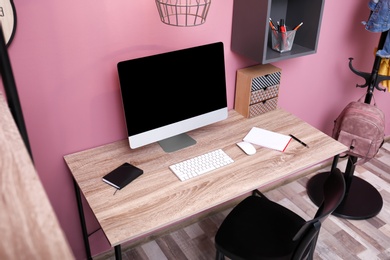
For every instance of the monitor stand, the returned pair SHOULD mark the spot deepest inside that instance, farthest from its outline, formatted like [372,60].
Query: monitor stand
[176,142]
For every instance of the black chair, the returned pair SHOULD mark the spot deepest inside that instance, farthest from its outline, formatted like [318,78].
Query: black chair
[258,228]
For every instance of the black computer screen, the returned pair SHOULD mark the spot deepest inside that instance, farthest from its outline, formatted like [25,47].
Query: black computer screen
[170,89]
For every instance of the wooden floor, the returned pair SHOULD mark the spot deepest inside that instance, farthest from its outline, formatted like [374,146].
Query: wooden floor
[339,238]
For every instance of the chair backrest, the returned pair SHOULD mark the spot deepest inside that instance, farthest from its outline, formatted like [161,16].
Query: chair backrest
[308,241]
[333,193]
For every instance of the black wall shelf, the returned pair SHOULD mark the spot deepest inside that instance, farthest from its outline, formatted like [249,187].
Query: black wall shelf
[251,33]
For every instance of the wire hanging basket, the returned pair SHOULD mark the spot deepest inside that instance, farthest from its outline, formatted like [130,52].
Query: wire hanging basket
[183,12]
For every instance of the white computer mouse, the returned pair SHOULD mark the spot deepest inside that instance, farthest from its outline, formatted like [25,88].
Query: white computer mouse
[248,148]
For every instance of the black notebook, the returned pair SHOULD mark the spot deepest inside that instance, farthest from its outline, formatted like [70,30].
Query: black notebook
[122,175]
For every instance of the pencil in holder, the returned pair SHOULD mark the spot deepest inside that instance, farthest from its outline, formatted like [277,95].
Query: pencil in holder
[282,41]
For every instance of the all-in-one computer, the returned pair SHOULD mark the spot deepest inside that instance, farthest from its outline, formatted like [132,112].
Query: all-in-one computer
[168,94]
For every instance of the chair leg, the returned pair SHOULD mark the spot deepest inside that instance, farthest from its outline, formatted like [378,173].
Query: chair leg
[313,248]
[219,256]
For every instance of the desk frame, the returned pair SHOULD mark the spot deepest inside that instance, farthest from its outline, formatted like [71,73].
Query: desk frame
[163,200]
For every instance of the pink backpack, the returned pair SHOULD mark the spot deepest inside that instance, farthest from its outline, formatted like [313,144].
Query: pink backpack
[361,127]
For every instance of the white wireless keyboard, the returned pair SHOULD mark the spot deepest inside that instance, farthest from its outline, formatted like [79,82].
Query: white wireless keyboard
[201,164]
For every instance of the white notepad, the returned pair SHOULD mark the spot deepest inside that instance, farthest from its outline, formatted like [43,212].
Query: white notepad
[267,139]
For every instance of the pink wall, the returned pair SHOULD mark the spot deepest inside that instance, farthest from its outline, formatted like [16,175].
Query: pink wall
[64,57]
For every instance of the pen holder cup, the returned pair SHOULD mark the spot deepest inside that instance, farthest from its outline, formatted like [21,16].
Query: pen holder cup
[282,41]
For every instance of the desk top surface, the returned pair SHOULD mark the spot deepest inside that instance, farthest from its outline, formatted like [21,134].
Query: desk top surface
[157,198]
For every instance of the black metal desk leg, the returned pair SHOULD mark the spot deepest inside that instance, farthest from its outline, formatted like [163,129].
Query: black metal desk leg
[118,252]
[82,220]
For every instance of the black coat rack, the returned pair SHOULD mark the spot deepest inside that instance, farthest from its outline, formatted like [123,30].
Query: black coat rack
[361,200]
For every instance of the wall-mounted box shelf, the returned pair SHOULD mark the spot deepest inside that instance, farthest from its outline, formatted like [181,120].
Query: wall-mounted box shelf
[251,34]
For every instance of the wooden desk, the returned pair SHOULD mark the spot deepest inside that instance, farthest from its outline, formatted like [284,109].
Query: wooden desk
[158,199]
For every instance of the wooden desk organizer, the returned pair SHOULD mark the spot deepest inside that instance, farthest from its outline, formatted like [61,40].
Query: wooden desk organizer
[257,89]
